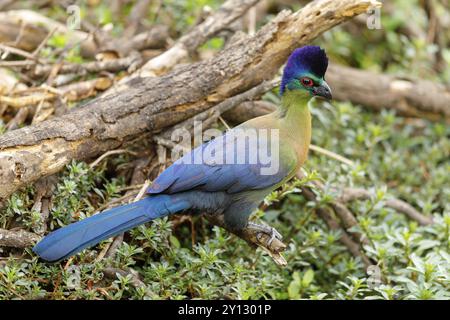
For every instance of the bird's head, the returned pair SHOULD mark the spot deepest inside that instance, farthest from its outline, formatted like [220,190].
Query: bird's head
[305,72]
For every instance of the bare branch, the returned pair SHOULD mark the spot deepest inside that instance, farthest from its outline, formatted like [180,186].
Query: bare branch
[17,238]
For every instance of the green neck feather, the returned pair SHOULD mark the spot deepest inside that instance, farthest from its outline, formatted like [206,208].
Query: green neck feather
[294,108]
[295,120]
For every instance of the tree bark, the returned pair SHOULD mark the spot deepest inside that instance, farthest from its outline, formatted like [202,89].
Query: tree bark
[17,239]
[409,97]
[154,103]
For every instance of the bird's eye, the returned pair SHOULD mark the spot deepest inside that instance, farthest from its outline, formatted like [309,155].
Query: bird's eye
[307,82]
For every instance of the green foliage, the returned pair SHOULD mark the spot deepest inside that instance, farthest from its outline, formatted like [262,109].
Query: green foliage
[413,261]
[394,157]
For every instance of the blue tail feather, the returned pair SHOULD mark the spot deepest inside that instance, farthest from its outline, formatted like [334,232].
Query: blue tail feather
[75,237]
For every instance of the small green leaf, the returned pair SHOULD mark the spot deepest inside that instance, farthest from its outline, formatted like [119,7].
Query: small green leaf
[308,277]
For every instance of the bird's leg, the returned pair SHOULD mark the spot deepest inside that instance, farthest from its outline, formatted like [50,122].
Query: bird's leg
[272,232]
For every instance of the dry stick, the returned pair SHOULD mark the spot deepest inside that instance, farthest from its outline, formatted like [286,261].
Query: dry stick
[351,194]
[331,155]
[21,63]
[138,12]
[34,38]
[18,119]
[20,102]
[44,42]
[17,238]
[109,153]
[112,246]
[254,238]
[270,58]
[155,38]
[20,52]
[408,97]
[134,59]
[42,201]
[151,104]
[345,216]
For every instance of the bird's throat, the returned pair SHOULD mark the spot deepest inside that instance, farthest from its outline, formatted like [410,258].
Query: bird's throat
[295,121]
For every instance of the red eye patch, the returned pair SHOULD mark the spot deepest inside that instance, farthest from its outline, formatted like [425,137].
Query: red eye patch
[307,82]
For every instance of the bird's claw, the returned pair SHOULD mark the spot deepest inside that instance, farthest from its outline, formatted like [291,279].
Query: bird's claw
[268,230]
[274,234]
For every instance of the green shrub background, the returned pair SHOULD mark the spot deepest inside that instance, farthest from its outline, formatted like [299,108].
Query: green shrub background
[394,156]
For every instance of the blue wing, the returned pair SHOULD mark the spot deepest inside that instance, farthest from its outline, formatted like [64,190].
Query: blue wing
[225,165]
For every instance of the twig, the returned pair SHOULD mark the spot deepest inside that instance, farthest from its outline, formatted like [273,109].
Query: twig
[21,63]
[42,201]
[142,191]
[19,52]
[20,102]
[331,155]
[138,12]
[116,65]
[110,153]
[44,42]
[351,194]
[18,119]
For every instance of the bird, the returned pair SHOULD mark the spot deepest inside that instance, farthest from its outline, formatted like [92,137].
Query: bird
[220,176]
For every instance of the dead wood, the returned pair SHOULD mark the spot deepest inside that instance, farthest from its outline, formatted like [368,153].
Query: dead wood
[114,65]
[27,29]
[155,103]
[409,97]
[352,194]
[17,238]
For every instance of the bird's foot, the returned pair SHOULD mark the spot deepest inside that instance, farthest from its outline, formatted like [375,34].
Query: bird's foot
[270,231]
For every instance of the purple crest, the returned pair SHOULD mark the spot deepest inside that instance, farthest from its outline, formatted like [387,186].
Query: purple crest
[305,59]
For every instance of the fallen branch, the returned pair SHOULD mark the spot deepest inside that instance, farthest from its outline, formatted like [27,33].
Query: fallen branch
[132,61]
[31,29]
[416,98]
[155,103]
[17,238]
